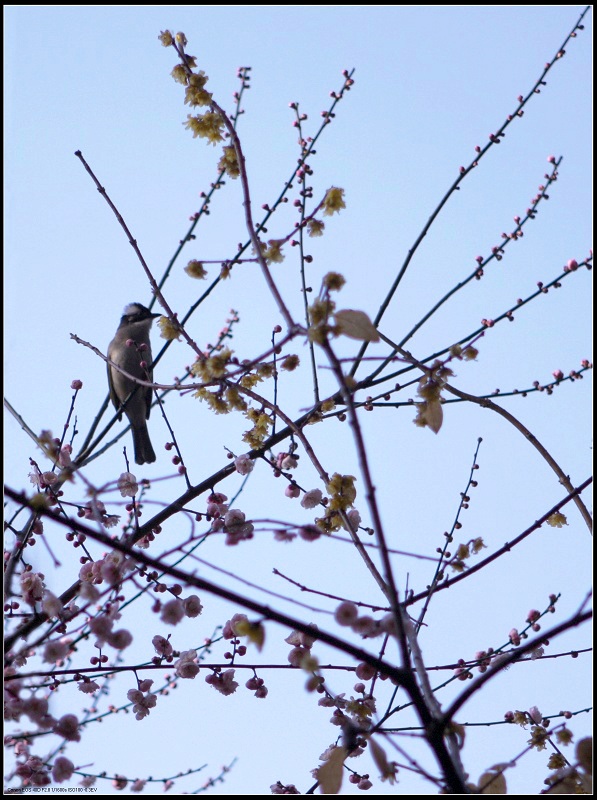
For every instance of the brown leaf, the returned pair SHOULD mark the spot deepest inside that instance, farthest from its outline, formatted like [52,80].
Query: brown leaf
[356,325]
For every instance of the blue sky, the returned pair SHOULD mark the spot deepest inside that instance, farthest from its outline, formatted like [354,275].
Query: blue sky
[431,83]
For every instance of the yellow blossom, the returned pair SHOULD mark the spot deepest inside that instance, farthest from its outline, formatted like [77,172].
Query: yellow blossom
[342,491]
[320,311]
[250,380]
[180,74]
[273,254]
[333,201]
[557,519]
[235,399]
[539,737]
[556,761]
[197,97]
[229,162]
[214,400]
[165,38]
[470,353]
[168,330]
[328,405]
[290,363]
[463,552]
[315,227]
[564,736]
[195,269]
[333,281]
[208,126]
[265,369]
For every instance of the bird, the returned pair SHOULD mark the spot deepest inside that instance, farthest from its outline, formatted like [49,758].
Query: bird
[126,394]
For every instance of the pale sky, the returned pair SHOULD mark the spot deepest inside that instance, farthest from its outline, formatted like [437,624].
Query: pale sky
[431,83]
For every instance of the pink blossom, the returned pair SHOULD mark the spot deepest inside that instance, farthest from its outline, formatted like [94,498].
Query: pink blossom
[244,464]
[36,708]
[346,613]
[514,637]
[172,612]
[224,682]
[292,490]
[237,529]
[64,457]
[216,504]
[312,498]
[186,666]
[88,686]
[55,651]
[310,532]
[32,587]
[229,631]
[535,715]
[51,605]
[365,671]
[354,519]
[62,769]
[297,654]
[192,606]
[68,727]
[120,639]
[162,645]
[366,626]
[127,484]
[141,703]
[101,626]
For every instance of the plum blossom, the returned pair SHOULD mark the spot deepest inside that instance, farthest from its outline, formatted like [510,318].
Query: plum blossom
[32,587]
[88,686]
[162,645]
[62,769]
[346,613]
[186,666]
[51,605]
[33,772]
[192,606]
[312,498]
[142,702]
[223,681]
[55,651]
[127,484]
[229,630]
[68,727]
[244,464]
[120,639]
[172,612]
[216,504]
[236,527]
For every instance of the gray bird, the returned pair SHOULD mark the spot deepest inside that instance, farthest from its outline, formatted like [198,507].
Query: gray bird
[134,325]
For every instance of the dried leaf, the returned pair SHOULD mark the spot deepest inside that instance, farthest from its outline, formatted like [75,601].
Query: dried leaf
[434,415]
[584,754]
[331,772]
[356,325]
[492,783]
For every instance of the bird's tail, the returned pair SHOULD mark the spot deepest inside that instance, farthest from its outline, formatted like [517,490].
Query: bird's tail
[142,443]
